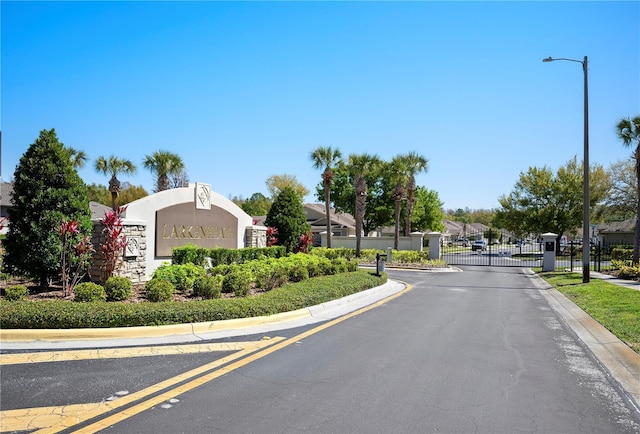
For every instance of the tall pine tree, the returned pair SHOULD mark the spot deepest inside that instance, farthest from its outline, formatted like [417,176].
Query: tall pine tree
[46,190]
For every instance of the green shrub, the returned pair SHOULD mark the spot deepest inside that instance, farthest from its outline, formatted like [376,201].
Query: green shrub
[159,290]
[298,272]
[118,288]
[237,281]
[86,292]
[181,276]
[208,287]
[352,266]
[221,269]
[189,254]
[270,275]
[15,293]
[313,268]
[278,277]
[626,269]
[622,253]
[340,265]
[60,314]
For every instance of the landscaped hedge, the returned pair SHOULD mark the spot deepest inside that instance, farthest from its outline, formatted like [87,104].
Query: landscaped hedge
[265,273]
[63,314]
[622,253]
[369,255]
[198,255]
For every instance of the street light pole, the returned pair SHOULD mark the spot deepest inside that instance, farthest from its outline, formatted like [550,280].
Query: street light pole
[586,227]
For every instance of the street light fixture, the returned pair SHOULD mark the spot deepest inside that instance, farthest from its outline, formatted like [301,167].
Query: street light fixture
[586,238]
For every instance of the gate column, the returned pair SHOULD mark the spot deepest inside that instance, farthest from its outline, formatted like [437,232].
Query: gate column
[549,254]
[434,245]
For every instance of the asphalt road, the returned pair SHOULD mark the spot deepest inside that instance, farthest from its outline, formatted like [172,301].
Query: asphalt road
[479,351]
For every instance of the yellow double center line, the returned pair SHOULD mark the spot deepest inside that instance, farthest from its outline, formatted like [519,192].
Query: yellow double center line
[56,419]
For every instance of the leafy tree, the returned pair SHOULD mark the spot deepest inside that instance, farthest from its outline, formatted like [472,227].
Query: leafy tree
[277,183]
[379,209]
[427,213]
[164,164]
[628,130]
[327,157]
[179,180]
[128,193]
[288,218]
[358,166]
[621,201]
[99,193]
[257,204]
[113,166]
[415,164]
[467,215]
[47,191]
[484,216]
[546,202]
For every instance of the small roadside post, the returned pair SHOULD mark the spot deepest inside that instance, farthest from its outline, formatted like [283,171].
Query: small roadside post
[380,262]
[549,253]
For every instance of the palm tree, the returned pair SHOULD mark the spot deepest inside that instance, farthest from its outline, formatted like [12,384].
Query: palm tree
[358,166]
[114,165]
[326,156]
[416,164]
[397,170]
[77,157]
[628,131]
[163,164]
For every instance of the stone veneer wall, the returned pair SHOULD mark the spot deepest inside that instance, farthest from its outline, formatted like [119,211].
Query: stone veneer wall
[133,264]
[256,236]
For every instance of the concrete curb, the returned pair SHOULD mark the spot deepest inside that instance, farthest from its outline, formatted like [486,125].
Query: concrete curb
[28,335]
[179,333]
[622,363]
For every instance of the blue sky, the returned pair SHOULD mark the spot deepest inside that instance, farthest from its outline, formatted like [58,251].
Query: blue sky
[245,90]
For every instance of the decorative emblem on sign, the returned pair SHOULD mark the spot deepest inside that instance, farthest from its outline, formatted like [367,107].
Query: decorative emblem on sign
[203,196]
[133,247]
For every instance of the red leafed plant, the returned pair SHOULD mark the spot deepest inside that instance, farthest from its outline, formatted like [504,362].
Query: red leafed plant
[304,243]
[272,236]
[75,255]
[112,248]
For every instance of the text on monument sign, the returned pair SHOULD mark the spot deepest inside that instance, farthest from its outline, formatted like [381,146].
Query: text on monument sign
[183,224]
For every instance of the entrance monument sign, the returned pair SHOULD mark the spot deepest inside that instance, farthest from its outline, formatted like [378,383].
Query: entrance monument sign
[158,223]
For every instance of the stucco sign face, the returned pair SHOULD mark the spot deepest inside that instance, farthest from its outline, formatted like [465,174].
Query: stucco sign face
[183,224]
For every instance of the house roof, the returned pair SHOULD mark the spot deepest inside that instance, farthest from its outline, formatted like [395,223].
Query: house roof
[316,218]
[457,228]
[626,226]
[6,190]
[98,210]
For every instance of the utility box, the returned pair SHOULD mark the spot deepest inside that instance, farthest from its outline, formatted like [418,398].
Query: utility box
[549,254]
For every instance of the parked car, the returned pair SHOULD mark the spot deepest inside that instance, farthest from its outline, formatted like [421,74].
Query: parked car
[479,245]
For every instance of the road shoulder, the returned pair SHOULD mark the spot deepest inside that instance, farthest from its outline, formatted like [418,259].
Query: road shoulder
[620,361]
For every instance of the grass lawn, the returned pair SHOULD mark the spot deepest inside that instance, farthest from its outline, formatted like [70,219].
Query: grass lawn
[615,307]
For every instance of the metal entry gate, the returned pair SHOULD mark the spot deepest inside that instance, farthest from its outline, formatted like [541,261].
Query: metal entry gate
[492,248]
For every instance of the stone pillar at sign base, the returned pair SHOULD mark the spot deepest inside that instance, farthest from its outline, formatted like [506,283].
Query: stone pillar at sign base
[434,245]
[549,251]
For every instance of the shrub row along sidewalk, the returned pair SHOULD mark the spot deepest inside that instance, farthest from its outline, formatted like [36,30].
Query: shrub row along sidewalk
[63,315]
